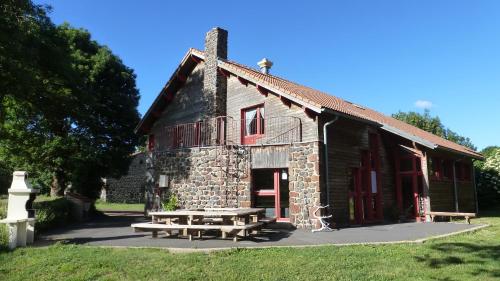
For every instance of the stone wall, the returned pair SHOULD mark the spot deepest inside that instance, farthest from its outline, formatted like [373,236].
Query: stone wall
[209,177]
[214,177]
[130,187]
[304,183]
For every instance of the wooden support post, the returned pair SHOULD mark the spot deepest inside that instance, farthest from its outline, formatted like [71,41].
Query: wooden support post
[415,189]
[425,182]
[455,186]
[399,193]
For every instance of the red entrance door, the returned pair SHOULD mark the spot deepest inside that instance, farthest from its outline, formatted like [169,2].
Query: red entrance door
[365,194]
[409,185]
[270,191]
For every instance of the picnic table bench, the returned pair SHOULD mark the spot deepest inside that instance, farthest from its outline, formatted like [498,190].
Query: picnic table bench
[467,216]
[234,221]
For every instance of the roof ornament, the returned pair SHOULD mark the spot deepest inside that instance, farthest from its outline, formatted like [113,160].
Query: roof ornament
[265,65]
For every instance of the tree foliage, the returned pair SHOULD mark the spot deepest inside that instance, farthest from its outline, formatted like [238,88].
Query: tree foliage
[433,125]
[488,178]
[69,105]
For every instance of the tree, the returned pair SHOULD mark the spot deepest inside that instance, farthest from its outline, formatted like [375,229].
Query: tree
[433,125]
[72,122]
[488,178]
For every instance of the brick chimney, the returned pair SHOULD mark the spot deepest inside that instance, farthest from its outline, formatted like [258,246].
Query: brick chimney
[214,82]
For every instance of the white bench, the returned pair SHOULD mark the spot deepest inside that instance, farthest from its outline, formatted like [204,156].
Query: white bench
[467,216]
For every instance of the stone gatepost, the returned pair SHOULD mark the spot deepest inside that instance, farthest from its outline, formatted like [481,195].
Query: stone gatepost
[20,213]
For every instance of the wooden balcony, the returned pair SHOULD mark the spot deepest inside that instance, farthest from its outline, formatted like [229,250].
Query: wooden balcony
[225,130]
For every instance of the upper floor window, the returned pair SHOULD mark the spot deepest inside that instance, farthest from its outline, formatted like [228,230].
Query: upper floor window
[252,124]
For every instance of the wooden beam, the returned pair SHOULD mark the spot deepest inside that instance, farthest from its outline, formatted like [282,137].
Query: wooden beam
[311,114]
[262,90]
[195,59]
[243,81]
[224,72]
[182,78]
[156,114]
[286,101]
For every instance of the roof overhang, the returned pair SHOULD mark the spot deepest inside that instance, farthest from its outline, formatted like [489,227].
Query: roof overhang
[408,136]
[185,67]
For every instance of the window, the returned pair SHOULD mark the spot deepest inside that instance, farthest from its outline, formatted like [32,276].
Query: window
[252,124]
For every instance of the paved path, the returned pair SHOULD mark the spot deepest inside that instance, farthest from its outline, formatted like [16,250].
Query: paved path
[115,230]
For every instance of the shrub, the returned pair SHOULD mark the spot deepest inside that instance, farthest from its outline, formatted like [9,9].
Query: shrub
[172,203]
[52,213]
[488,188]
[4,238]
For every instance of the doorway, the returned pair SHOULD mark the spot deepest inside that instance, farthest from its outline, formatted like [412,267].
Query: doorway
[365,192]
[270,191]
[409,186]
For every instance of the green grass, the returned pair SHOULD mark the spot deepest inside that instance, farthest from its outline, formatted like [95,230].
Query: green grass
[469,256]
[105,206]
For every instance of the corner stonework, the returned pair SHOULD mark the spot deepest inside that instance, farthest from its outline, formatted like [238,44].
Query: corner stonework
[305,184]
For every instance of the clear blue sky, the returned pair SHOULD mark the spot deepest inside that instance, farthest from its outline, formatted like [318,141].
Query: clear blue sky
[387,55]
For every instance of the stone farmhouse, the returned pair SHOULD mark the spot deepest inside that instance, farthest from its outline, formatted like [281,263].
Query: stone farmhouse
[222,134]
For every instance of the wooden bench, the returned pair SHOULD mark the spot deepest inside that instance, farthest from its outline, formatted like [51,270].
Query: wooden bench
[197,228]
[467,216]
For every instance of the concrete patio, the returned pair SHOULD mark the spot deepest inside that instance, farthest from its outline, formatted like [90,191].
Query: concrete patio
[114,230]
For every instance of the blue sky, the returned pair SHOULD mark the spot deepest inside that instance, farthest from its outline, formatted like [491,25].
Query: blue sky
[387,55]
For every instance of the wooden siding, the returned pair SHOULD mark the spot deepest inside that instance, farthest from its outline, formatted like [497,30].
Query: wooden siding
[240,96]
[270,157]
[346,140]
[188,105]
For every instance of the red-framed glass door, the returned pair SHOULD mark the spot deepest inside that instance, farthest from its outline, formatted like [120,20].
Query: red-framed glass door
[271,191]
[409,185]
[252,124]
[365,192]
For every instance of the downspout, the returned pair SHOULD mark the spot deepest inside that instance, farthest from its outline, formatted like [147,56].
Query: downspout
[455,185]
[325,143]
[474,185]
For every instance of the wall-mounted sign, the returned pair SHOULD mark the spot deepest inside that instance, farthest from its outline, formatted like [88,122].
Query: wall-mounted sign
[163,182]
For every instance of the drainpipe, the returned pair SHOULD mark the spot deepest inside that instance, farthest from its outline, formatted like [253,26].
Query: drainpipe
[455,185]
[325,143]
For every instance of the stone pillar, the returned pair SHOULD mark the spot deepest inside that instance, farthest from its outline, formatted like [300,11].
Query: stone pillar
[214,82]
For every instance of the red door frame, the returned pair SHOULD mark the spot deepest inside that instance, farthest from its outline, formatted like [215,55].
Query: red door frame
[276,193]
[368,205]
[251,139]
[414,173]
[357,196]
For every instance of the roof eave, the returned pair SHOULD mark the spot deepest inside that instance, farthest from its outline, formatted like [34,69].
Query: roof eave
[146,116]
[348,116]
[474,155]
[408,136]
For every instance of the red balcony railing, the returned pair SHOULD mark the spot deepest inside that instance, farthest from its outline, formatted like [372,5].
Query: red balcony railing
[228,131]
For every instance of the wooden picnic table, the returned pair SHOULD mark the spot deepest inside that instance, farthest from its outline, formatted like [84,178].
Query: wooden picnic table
[235,221]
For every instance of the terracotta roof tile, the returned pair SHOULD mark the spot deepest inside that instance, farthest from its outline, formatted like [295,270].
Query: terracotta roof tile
[323,100]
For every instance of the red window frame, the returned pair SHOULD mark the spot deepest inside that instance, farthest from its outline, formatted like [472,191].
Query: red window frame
[252,138]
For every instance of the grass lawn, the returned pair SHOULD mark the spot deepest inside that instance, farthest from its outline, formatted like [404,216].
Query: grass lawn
[105,206]
[470,256]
